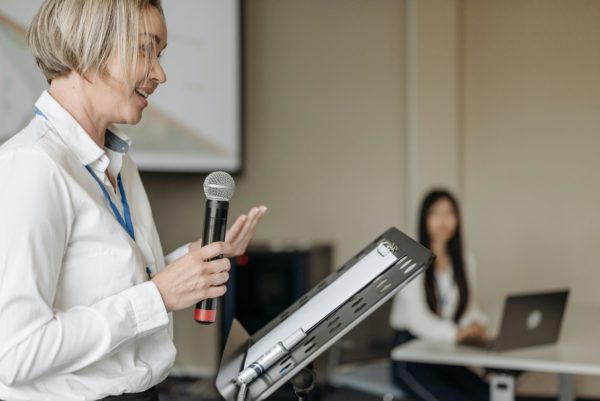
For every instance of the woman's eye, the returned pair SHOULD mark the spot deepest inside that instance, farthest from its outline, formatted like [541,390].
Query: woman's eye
[144,49]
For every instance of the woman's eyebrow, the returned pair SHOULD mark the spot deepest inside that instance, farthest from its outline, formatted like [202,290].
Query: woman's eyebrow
[153,36]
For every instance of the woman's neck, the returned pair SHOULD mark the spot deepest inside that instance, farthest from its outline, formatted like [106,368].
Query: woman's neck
[440,250]
[70,93]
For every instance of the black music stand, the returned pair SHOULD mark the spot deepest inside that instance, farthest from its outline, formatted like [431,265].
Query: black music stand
[252,368]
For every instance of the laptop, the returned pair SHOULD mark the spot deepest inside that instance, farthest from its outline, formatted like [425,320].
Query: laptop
[528,320]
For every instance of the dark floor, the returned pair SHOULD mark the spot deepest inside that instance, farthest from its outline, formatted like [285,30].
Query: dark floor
[202,390]
[177,389]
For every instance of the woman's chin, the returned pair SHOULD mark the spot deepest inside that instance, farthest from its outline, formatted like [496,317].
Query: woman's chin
[137,118]
[132,119]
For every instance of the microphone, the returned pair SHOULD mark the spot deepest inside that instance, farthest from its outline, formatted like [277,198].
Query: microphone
[218,188]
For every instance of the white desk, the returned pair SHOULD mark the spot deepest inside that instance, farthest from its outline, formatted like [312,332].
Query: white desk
[577,352]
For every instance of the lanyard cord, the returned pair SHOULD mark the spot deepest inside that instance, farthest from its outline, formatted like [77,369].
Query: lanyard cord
[126,221]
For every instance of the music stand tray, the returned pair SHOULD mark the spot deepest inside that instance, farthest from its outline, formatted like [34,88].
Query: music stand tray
[253,367]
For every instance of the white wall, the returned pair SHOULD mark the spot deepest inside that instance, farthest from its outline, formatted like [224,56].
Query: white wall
[531,138]
[432,100]
[324,119]
[513,129]
[324,144]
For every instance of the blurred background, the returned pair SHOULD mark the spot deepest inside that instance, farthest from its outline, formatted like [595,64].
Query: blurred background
[353,109]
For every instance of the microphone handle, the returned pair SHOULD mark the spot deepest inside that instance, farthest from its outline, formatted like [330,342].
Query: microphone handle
[215,225]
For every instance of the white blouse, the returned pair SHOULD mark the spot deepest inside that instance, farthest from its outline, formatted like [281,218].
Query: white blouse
[79,319]
[411,312]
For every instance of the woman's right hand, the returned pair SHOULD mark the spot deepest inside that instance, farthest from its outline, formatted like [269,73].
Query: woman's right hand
[191,278]
[474,331]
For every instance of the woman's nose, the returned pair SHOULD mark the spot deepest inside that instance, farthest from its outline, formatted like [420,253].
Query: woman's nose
[157,73]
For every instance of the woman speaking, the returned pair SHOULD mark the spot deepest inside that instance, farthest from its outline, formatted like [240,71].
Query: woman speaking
[85,291]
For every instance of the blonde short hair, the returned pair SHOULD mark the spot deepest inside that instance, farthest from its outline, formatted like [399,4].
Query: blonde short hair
[80,35]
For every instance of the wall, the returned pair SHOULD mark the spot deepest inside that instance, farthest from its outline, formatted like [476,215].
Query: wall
[432,100]
[324,144]
[514,133]
[530,143]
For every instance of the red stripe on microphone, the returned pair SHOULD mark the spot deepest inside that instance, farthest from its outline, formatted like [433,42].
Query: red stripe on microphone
[205,315]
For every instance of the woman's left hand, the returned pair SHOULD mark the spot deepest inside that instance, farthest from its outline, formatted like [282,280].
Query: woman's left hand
[479,330]
[241,232]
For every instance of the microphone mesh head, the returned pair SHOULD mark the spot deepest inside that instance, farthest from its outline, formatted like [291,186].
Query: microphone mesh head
[219,186]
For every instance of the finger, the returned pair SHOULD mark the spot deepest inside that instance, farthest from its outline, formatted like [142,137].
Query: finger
[249,234]
[216,292]
[195,245]
[216,266]
[217,279]
[250,224]
[254,216]
[244,228]
[259,216]
[235,229]
[262,210]
[213,250]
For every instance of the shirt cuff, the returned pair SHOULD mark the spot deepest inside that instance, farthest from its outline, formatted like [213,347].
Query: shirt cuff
[451,334]
[148,308]
[444,332]
[475,315]
[177,253]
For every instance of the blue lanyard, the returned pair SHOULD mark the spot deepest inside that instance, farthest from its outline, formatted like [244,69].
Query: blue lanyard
[126,221]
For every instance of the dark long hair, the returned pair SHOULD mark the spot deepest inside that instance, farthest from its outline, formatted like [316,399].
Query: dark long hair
[455,250]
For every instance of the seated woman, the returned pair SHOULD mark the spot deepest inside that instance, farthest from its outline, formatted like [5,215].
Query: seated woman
[439,306]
